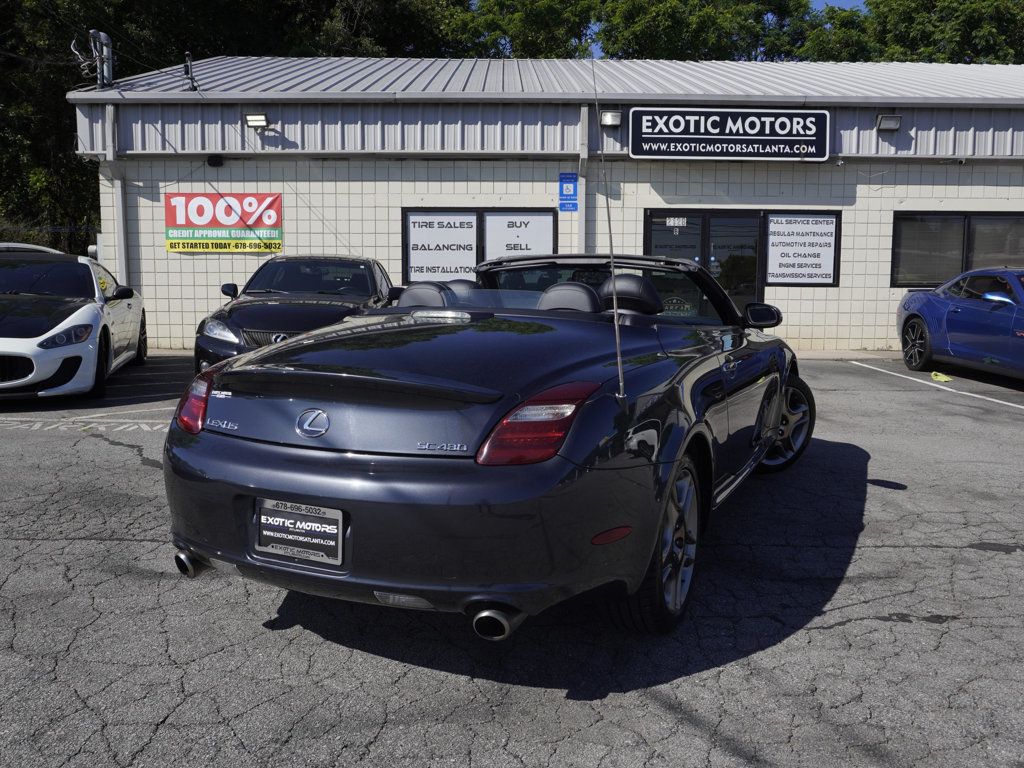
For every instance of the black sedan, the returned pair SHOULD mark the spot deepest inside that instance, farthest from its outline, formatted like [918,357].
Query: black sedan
[286,296]
[491,448]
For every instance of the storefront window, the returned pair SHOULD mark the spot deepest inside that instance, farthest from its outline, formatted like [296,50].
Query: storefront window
[928,249]
[997,241]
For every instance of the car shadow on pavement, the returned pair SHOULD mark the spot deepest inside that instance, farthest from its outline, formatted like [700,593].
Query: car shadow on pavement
[770,563]
[163,377]
[986,378]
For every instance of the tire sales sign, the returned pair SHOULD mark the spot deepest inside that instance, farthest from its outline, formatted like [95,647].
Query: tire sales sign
[728,134]
[227,222]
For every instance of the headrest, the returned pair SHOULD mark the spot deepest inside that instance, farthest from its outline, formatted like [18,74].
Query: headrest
[426,295]
[636,294]
[463,289]
[575,296]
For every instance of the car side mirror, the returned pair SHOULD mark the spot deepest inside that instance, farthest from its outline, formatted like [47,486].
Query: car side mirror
[997,298]
[394,292]
[230,290]
[122,292]
[757,315]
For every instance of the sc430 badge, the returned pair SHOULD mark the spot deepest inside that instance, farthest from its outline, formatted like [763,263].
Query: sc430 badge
[445,447]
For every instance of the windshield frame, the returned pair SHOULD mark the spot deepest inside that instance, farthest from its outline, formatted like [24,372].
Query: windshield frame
[252,289]
[45,265]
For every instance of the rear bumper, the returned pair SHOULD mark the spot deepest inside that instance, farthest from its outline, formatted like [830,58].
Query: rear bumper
[445,530]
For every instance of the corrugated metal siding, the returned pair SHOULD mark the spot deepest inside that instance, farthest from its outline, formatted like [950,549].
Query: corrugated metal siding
[240,78]
[977,133]
[169,128]
[89,123]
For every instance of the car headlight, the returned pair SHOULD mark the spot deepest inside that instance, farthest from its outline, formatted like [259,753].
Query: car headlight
[76,334]
[216,329]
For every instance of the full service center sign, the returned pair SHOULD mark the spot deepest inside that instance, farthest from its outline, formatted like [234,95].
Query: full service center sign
[802,249]
[728,134]
[223,222]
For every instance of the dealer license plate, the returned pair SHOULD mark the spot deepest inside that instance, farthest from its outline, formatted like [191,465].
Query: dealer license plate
[299,530]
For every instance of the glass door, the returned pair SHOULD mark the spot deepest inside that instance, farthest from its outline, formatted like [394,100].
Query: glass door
[727,244]
[732,255]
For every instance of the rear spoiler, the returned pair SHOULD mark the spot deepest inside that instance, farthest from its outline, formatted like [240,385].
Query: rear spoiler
[292,380]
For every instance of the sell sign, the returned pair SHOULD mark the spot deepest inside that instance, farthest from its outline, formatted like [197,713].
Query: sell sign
[223,222]
[517,234]
[728,134]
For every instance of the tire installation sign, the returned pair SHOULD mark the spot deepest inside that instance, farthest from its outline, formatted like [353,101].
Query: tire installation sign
[440,245]
[223,222]
[728,134]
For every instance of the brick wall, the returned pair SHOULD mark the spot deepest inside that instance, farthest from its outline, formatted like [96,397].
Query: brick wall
[354,206]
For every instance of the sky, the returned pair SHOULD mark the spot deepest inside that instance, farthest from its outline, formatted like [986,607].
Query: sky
[841,3]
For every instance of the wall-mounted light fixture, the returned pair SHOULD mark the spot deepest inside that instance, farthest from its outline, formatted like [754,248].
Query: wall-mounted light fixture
[256,120]
[888,122]
[611,118]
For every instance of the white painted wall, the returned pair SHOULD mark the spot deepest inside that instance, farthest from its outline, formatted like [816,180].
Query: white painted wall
[354,206]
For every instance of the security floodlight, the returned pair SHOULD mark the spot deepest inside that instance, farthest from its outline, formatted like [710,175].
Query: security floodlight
[888,122]
[611,118]
[256,120]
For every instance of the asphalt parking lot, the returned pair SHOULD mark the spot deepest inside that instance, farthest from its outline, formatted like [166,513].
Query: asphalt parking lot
[864,608]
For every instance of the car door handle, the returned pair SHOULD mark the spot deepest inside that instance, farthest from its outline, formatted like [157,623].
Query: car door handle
[129,305]
[954,309]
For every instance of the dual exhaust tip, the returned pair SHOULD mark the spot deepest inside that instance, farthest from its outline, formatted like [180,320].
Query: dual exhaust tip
[497,624]
[494,624]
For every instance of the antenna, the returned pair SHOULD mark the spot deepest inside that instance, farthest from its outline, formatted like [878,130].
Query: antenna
[621,395]
[192,84]
[103,56]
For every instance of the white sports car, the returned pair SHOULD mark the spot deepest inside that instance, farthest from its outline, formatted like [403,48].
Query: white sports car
[65,324]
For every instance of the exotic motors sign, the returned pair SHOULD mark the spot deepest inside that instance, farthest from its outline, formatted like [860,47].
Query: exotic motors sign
[223,222]
[802,249]
[728,134]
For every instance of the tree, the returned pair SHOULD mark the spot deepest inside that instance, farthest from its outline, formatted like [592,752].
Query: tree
[837,34]
[535,28]
[961,31]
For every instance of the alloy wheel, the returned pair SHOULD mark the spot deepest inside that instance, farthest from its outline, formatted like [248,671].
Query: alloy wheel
[679,542]
[793,427]
[914,343]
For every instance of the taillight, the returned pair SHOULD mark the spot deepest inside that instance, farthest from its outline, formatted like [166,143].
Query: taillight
[535,430]
[192,407]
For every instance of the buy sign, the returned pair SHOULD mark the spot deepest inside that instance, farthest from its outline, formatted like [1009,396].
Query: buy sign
[223,222]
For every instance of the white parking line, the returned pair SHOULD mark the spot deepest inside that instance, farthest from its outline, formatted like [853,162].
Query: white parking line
[940,386]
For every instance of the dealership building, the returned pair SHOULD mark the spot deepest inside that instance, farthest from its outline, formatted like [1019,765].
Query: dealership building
[826,189]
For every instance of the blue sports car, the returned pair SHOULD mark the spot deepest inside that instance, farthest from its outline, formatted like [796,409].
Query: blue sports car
[976,320]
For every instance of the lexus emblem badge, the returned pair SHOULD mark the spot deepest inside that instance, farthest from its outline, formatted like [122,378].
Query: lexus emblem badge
[312,423]
[279,337]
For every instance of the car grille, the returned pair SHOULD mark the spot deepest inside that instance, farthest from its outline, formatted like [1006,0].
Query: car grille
[14,367]
[262,338]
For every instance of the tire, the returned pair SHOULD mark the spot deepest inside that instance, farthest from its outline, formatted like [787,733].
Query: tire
[659,603]
[142,344]
[916,344]
[795,429]
[99,385]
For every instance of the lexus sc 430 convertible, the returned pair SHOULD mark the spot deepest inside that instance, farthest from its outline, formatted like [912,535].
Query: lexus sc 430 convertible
[491,447]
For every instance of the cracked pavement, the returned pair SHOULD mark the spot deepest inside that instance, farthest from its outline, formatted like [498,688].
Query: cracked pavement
[864,608]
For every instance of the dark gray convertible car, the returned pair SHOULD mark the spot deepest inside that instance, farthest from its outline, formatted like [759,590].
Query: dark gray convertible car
[491,447]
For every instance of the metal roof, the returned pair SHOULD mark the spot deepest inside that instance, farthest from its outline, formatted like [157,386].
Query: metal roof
[249,78]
